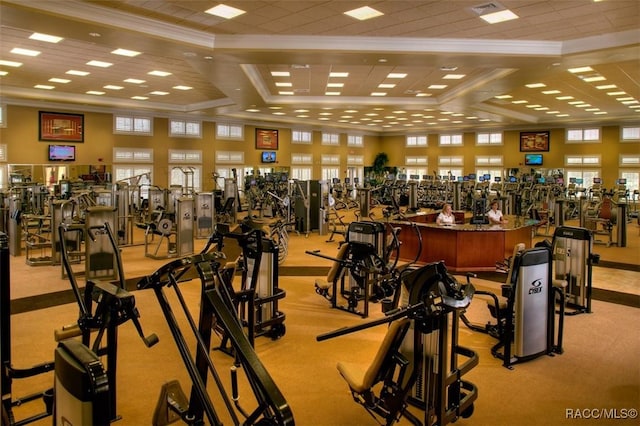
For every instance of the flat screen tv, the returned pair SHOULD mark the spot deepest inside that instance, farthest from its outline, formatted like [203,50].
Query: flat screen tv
[268,156]
[533,159]
[62,153]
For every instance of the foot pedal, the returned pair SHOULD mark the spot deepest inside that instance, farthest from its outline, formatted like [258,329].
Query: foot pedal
[172,404]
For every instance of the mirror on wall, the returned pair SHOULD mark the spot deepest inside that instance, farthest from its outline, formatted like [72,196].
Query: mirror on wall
[50,174]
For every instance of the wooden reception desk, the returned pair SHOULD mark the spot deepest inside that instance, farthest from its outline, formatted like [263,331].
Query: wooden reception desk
[464,247]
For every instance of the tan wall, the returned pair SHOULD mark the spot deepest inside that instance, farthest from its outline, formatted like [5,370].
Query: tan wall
[23,147]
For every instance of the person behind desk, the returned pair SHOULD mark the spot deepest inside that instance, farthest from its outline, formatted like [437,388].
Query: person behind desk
[495,216]
[446,217]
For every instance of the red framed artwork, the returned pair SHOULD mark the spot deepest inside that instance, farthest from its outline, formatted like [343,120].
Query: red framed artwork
[266,139]
[58,126]
[534,141]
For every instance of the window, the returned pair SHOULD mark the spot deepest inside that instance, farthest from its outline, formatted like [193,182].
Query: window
[586,175]
[132,155]
[230,131]
[591,135]
[633,180]
[330,159]
[451,160]
[415,141]
[187,176]
[451,140]
[3,152]
[357,160]
[355,140]
[330,138]
[3,116]
[226,172]
[627,160]
[446,172]
[3,167]
[133,125]
[450,165]
[236,157]
[416,161]
[185,128]
[301,137]
[489,138]
[122,172]
[185,156]
[301,158]
[300,173]
[581,160]
[630,134]
[328,173]
[489,160]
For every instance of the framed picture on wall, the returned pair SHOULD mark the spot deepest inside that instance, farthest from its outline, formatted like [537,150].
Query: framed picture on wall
[58,126]
[534,141]
[266,139]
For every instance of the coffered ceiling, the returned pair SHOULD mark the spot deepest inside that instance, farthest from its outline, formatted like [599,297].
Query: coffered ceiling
[422,65]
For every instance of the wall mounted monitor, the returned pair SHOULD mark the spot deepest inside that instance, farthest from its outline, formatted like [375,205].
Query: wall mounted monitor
[62,153]
[533,159]
[268,156]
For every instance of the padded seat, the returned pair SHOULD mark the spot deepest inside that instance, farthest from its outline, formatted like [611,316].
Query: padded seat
[335,271]
[360,379]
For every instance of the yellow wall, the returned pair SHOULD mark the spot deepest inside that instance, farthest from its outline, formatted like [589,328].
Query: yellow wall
[23,147]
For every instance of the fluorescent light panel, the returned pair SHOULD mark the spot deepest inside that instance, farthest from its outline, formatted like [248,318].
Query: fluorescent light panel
[126,52]
[500,16]
[99,64]
[25,52]
[363,13]
[45,37]
[159,73]
[224,11]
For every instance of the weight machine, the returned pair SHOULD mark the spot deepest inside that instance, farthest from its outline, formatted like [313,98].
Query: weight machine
[420,365]
[216,308]
[573,262]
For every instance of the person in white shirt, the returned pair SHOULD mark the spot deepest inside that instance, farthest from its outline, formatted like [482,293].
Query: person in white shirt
[495,216]
[446,217]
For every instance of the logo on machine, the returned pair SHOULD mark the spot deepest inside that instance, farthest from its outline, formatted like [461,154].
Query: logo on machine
[536,287]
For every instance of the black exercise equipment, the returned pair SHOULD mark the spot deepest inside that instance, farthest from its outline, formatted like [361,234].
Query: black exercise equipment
[103,307]
[258,295]
[417,363]
[81,386]
[216,307]
[7,370]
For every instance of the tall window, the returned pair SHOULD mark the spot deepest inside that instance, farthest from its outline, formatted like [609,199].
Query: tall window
[185,169]
[489,164]
[299,168]
[417,165]
[3,115]
[450,166]
[134,166]
[3,166]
